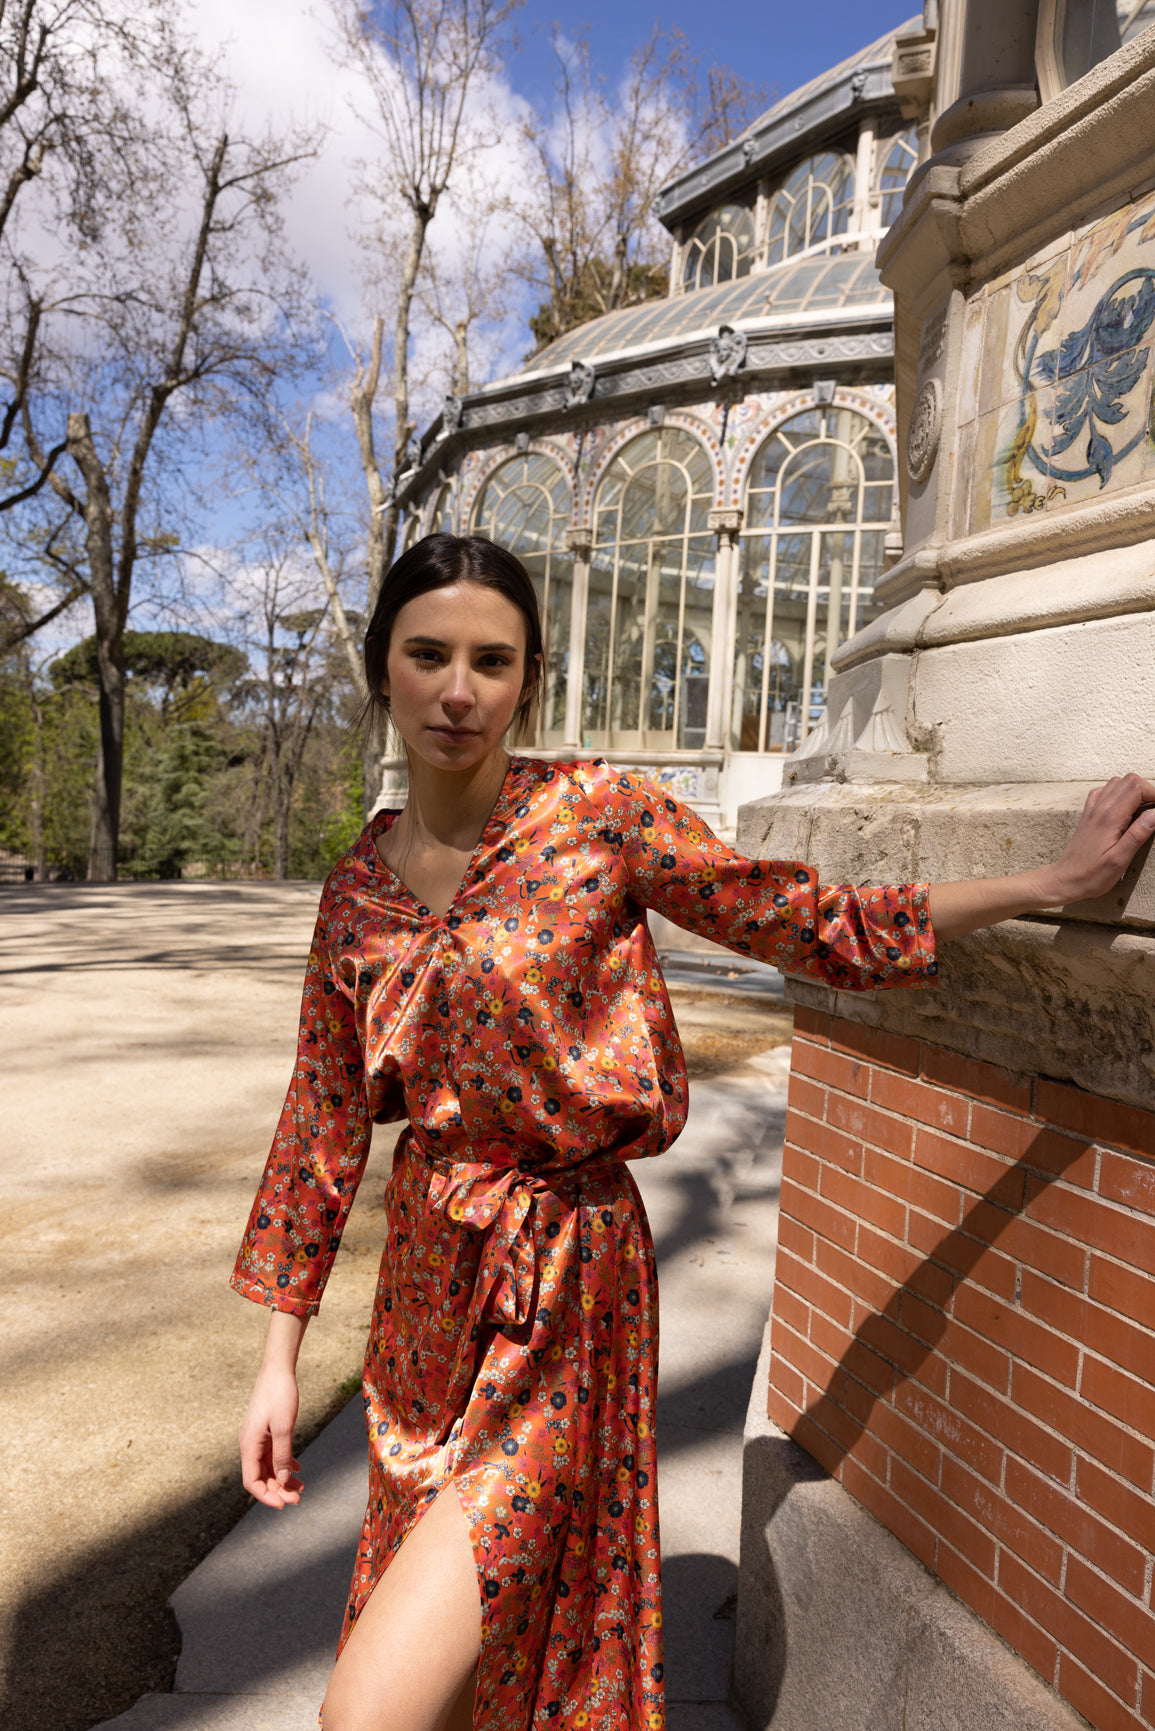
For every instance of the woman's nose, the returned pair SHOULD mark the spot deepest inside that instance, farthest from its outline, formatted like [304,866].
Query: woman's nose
[457,693]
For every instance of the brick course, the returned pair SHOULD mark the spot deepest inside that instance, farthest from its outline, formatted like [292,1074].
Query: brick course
[964,1335]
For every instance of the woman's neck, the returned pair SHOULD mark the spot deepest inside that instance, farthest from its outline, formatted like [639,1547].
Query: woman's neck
[450,808]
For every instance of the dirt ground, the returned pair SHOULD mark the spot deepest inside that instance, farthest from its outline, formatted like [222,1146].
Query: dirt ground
[148,1033]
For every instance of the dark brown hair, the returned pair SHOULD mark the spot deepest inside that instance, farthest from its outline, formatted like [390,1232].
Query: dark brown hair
[437,562]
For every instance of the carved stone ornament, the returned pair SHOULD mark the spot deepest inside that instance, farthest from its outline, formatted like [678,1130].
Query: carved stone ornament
[453,412]
[727,353]
[923,434]
[579,387]
[747,151]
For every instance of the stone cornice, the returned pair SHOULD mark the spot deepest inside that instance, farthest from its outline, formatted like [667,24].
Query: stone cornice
[1086,151]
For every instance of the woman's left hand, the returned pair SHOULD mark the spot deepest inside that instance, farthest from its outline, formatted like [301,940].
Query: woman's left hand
[1116,820]
[1110,832]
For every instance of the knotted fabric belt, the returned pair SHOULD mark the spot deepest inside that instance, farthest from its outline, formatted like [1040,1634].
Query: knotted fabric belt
[496,1197]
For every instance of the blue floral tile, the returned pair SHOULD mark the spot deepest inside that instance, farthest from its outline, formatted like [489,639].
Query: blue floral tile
[1082,360]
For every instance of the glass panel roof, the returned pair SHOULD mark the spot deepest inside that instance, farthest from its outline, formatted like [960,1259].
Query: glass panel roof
[822,285]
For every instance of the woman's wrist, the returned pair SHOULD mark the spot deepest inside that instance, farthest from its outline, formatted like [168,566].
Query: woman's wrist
[283,1343]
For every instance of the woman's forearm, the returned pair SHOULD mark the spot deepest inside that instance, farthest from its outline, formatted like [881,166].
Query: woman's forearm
[956,909]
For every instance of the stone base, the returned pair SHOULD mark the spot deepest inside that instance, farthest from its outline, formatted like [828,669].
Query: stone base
[840,1628]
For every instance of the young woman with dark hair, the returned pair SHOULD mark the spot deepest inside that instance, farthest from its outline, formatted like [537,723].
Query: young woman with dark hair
[482,967]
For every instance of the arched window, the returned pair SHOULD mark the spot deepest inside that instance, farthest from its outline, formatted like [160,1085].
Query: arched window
[898,156]
[651,597]
[818,504]
[720,248]
[812,206]
[441,517]
[525,506]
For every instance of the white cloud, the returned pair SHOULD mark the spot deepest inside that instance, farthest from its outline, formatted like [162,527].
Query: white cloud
[278,55]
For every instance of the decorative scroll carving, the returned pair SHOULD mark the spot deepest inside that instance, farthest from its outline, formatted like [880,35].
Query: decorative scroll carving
[923,435]
[727,353]
[579,387]
[726,520]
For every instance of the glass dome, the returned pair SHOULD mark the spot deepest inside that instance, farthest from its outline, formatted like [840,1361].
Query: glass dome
[820,285]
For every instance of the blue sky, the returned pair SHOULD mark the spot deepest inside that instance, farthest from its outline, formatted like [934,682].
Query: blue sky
[773,45]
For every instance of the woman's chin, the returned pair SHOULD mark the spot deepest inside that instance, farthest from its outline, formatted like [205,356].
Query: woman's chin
[443,751]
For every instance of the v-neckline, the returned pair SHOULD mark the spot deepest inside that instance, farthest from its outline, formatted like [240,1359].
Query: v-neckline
[423,909]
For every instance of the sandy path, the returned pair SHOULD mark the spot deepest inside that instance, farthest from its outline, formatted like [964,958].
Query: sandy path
[148,1034]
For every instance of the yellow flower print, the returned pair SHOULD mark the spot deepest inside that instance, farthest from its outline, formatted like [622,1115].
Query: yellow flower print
[587,1302]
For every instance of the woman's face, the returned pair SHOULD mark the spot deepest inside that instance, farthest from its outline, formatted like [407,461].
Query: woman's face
[455,673]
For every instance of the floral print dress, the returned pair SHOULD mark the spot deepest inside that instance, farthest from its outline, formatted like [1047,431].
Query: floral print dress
[527,1037]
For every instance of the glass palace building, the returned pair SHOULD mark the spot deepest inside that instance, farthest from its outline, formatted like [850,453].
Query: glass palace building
[703,487]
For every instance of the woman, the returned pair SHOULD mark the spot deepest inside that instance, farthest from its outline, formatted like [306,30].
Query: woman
[482,967]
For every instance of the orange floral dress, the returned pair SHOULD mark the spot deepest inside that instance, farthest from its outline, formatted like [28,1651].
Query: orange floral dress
[528,1038]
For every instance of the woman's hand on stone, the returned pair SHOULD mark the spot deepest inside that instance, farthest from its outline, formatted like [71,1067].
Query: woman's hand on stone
[1110,832]
[1116,821]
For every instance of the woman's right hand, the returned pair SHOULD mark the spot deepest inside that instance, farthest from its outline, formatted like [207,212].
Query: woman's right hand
[269,1469]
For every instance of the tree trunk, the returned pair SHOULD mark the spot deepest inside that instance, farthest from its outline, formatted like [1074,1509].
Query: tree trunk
[36,777]
[109,614]
[461,339]
[282,809]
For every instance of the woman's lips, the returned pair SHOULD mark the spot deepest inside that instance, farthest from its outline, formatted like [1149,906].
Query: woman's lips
[455,733]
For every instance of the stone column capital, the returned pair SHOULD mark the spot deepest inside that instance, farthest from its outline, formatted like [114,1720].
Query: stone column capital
[580,542]
[727,521]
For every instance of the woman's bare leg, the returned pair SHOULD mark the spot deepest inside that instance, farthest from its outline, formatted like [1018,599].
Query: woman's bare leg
[409,1662]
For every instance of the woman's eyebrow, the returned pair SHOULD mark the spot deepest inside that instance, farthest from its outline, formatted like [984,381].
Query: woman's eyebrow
[440,643]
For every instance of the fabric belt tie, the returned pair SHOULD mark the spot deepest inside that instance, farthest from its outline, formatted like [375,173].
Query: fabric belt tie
[498,1199]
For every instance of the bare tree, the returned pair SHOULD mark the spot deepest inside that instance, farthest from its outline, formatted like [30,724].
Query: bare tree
[421,61]
[65,66]
[597,162]
[292,695]
[185,299]
[465,288]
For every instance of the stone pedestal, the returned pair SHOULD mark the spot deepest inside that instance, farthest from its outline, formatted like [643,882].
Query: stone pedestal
[964,1302]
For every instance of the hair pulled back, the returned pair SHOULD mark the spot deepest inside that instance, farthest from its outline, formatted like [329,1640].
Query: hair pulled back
[437,562]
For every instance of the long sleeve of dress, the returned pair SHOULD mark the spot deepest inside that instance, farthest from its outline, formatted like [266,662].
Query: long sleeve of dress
[318,1152]
[852,938]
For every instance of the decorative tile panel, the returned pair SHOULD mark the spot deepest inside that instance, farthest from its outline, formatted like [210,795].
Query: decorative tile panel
[1062,412]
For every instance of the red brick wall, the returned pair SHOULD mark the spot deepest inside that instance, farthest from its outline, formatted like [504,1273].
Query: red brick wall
[964,1335]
